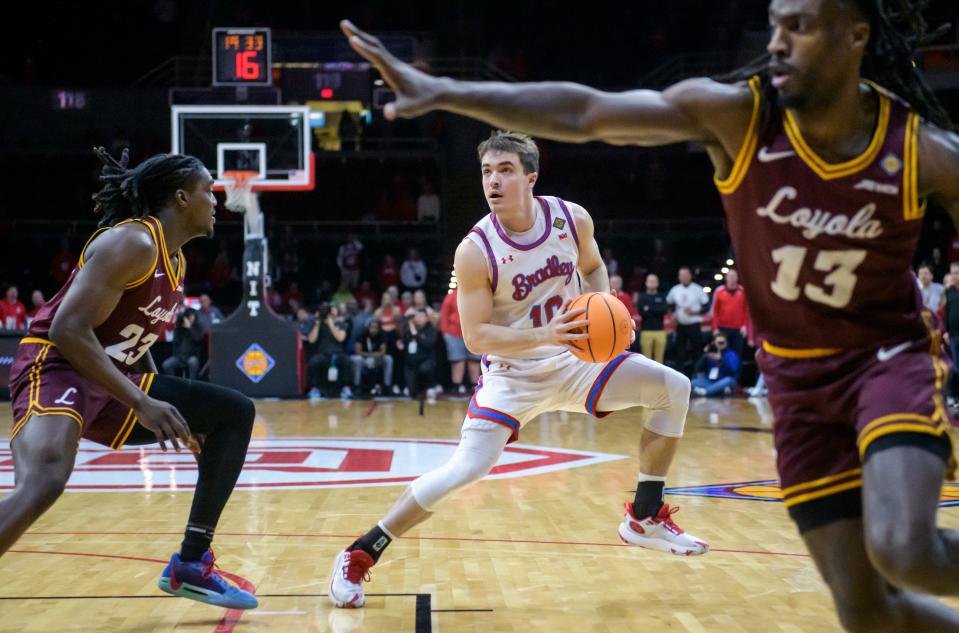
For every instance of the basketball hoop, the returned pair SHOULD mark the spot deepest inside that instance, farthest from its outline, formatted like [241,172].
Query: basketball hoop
[240,196]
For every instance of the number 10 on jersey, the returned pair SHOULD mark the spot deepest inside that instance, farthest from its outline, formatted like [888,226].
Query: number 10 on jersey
[550,307]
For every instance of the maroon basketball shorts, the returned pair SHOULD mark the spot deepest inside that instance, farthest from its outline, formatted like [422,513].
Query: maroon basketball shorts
[42,382]
[833,409]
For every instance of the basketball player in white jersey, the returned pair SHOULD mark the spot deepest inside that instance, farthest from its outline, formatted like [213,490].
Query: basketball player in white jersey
[516,270]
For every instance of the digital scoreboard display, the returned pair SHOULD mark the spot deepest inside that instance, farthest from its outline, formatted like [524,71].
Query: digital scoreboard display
[242,57]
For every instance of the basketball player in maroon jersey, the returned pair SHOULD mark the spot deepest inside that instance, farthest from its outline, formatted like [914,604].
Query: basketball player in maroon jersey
[824,177]
[84,367]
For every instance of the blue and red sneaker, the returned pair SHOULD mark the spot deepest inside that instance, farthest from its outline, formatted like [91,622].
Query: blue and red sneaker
[200,581]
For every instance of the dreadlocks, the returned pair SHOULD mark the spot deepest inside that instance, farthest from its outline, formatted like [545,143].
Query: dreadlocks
[897,30]
[134,192]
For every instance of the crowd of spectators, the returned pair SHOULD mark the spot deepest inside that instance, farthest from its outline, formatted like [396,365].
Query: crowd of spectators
[378,332]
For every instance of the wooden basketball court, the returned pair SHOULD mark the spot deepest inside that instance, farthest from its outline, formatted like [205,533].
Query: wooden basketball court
[523,553]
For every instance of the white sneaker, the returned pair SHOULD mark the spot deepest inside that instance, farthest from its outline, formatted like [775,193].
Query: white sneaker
[699,391]
[660,533]
[350,570]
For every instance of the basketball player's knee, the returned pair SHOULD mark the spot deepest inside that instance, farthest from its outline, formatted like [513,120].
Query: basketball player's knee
[670,419]
[907,559]
[434,487]
[240,412]
[467,466]
[246,411]
[472,467]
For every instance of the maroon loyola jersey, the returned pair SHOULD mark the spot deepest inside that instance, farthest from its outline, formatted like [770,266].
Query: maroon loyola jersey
[143,312]
[824,249]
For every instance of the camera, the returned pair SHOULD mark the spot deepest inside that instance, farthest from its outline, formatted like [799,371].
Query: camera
[323,311]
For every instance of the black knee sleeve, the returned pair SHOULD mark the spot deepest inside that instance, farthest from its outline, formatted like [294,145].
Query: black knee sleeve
[225,418]
[207,409]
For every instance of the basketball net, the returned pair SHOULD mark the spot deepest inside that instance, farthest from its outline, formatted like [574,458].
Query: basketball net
[240,198]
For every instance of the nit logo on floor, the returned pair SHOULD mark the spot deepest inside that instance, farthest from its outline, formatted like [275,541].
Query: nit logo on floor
[769,490]
[298,463]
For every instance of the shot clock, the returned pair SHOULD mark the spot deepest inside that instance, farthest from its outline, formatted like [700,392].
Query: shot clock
[242,57]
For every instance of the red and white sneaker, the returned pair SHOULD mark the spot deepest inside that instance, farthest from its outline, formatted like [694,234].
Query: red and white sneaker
[660,533]
[350,570]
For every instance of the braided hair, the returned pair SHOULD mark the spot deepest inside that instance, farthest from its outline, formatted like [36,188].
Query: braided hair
[897,30]
[134,192]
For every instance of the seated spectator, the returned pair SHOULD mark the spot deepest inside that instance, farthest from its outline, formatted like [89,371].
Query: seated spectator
[360,319]
[13,314]
[369,352]
[187,347]
[327,368]
[413,271]
[419,343]
[716,369]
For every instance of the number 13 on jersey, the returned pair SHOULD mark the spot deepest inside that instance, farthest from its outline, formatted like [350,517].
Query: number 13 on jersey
[839,283]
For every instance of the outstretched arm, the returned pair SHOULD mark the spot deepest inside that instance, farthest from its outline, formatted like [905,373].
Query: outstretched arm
[694,110]
[475,301]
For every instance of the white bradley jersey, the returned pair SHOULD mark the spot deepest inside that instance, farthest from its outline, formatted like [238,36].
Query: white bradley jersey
[532,274]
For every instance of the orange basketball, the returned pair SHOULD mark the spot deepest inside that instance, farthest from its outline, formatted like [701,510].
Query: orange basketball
[610,327]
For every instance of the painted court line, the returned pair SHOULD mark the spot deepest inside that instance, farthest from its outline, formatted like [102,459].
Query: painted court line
[413,538]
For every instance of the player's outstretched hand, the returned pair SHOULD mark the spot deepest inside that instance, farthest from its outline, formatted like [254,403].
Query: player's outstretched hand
[415,90]
[164,420]
[566,327]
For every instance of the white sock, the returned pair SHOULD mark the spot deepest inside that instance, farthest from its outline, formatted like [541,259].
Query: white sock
[644,477]
[380,525]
